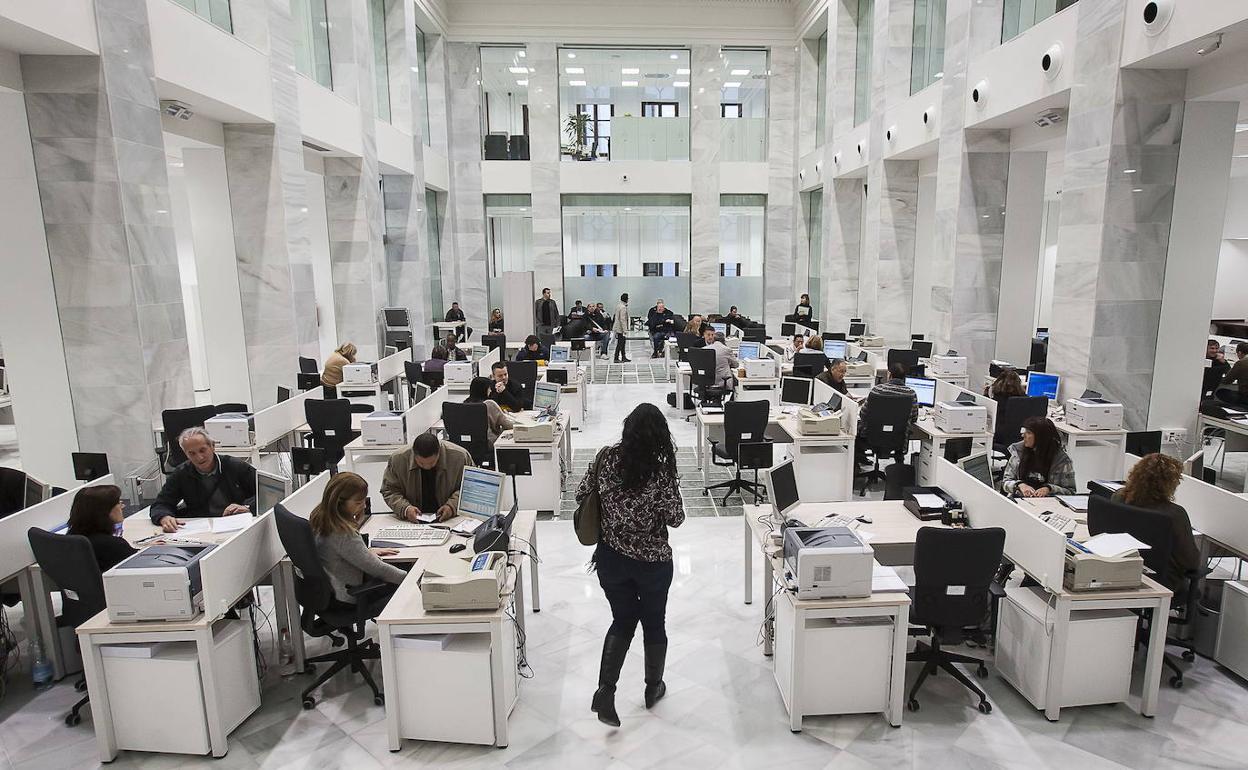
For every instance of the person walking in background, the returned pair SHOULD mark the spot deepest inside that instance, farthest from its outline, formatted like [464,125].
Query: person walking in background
[619,325]
[640,498]
[545,314]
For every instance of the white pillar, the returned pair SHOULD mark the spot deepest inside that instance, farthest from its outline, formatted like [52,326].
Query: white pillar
[1020,259]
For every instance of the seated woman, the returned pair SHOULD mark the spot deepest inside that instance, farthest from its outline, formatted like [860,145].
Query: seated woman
[1151,484]
[480,391]
[332,373]
[1039,465]
[1007,385]
[96,514]
[496,321]
[347,561]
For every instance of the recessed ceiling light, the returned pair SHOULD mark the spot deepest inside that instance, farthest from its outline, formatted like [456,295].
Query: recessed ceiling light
[518,70]
[522,82]
[733,84]
[571,56]
[1137,189]
[628,208]
[574,70]
[682,71]
[740,72]
[1128,171]
[576,82]
[521,54]
[681,84]
[630,71]
[628,83]
[674,56]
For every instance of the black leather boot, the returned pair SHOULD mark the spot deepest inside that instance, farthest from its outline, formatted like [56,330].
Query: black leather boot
[656,655]
[614,650]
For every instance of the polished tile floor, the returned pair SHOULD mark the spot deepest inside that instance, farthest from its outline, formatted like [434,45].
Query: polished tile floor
[722,710]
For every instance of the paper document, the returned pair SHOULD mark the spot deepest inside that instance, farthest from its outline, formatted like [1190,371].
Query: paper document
[1115,544]
[1077,503]
[885,579]
[231,523]
[928,500]
[467,526]
[1112,486]
[195,526]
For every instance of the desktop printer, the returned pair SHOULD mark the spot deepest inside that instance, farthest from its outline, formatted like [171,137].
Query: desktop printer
[947,366]
[870,341]
[457,373]
[451,583]
[359,374]
[827,562]
[819,420]
[1093,414]
[230,429]
[534,429]
[759,367]
[859,369]
[564,366]
[158,583]
[960,417]
[382,429]
[1085,571]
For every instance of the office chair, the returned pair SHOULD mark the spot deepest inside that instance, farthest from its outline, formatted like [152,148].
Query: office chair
[706,390]
[307,380]
[12,491]
[433,378]
[944,558]
[518,147]
[309,365]
[1209,382]
[907,356]
[69,561]
[886,434]
[686,341]
[897,477]
[414,372]
[1010,417]
[324,615]
[524,374]
[307,461]
[234,408]
[173,422]
[493,341]
[744,421]
[330,424]
[468,426]
[1153,528]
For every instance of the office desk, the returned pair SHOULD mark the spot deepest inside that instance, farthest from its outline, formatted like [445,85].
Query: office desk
[960,380]
[405,615]
[758,389]
[574,397]
[1096,454]
[442,327]
[356,419]
[542,490]
[932,443]
[708,422]
[684,385]
[1236,436]
[823,465]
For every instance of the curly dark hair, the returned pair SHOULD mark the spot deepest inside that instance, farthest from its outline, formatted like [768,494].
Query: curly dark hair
[1152,480]
[1008,383]
[646,447]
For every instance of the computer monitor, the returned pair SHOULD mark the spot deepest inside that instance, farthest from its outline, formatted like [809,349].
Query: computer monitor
[782,488]
[835,348]
[558,354]
[545,396]
[492,341]
[557,376]
[480,492]
[1144,442]
[420,391]
[283,393]
[914,337]
[89,465]
[1041,384]
[979,468]
[720,328]
[924,349]
[271,489]
[399,339]
[1194,466]
[788,329]
[748,351]
[857,329]
[796,390]
[756,334]
[395,316]
[924,387]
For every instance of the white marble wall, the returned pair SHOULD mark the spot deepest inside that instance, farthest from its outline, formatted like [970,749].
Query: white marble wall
[704,143]
[894,269]
[778,278]
[842,237]
[544,137]
[467,283]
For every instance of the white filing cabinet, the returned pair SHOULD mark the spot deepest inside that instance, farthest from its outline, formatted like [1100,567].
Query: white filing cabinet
[1098,661]
[1232,649]
[447,687]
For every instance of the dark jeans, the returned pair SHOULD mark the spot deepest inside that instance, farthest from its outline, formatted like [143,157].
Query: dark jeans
[621,347]
[658,338]
[637,592]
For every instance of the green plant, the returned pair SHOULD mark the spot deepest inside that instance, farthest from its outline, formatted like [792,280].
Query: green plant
[577,130]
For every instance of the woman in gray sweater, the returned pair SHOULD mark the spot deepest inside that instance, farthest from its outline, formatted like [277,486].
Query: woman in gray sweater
[335,525]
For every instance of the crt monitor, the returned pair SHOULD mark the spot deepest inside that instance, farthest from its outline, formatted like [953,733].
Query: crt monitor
[1041,384]
[557,376]
[720,328]
[748,351]
[270,490]
[925,387]
[923,348]
[978,467]
[480,492]
[834,349]
[782,488]
[796,390]
[396,316]
[857,329]
[545,396]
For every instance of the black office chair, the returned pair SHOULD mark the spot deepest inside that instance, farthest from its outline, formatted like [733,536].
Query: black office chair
[330,424]
[173,422]
[886,434]
[307,380]
[744,421]
[897,477]
[1153,528]
[308,365]
[414,372]
[495,341]
[907,356]
[524,375]
[468,426]
[235,408]
[308,461]
[684,342]
[12,491]
[324,615]
[1210,381]
[69,561]
[707,391]
[945,558]
[1010,417]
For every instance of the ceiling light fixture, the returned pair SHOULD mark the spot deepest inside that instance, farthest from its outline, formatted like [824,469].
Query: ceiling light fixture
[681,84]
[740,72]
[1239,127]
[733,84]
[518,70]
[630,71]
[571,56]
[1128,171]
[628,83]
[576,82]
[1137,189]
[574,70]
[674,56]
[521,54]
[522,82]
[682,71]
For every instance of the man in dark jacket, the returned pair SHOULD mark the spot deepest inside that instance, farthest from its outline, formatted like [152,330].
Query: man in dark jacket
[545,313]
[661,322]
[209,484]
[599,320]
[456,314]
[508,396]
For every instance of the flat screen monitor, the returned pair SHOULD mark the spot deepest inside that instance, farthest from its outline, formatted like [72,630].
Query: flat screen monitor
[978,466]
[479,352]
[857,329]
[420,391]
[782,488]
[748,351]
[914,337]
[396,316]
[1041,384]
[796,390]
[834,349]
[270,490]
[558,354]
[720,328]
[924,349]
[480,492]
[557,376]
[283,393]
[492,341]
[1144,442]
[89,465]
[1194,466]
[36,491]
[545,396]
[757,334]
[924,387]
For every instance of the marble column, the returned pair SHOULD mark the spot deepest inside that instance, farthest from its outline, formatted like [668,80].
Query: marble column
[778,279]
[100,161]
[842,235]
[545,204]
[898,206]
[705,128]
[466,283]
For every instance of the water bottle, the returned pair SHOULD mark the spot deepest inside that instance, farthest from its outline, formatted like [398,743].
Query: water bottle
[285,653]
[41,670]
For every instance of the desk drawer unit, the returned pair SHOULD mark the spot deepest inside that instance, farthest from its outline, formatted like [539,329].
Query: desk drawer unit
[1232,649]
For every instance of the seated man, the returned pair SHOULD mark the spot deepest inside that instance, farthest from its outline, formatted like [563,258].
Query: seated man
[453,351]
[1238,374]
[532,350]
[425,478]
[600,328]
[1213,353]
[207,483]
[725,361]
[504,393]
[661,322]
[896,385]
[455,314]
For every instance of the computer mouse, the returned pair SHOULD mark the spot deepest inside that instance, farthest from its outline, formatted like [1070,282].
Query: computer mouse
[458,547]
[864,519]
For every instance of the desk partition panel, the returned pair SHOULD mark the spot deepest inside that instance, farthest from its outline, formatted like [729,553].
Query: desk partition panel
[418,419]
[392,365]
[232,568]
[305,498]
[488,360]
[15,553]
[283,417]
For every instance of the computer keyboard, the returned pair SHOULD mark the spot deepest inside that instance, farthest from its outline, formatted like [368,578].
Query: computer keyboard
[838,520]
[413,535]
[1061,522]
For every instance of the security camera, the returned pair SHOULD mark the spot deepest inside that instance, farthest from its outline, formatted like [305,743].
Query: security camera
[836,158]
[624,178]
[928,115]
[1157,14]
[819,169]
[979,94]
[860,148]
[890,133]
[1051,61]
[801,173]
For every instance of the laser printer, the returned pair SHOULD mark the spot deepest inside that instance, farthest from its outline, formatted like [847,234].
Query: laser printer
[827,562]
[359,374]
[560,351]
[947,366]
[230,429]
[1093,414]
[452,583]
[759,367]
[960,417]
[382,429]
[160,582]
[870,341]
[527,429]
[819,420]
[457,373]
[1085,571]
[859,369]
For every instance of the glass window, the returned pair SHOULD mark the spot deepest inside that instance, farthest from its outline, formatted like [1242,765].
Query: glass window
[508,239]
[627,243]
[814,243]
[505,102]
[1021,15]
[436,309]
[743,102]
[821,91]
[741,227]
[862,60]
[624,104]
[381,62]
[927,59]
[215,11]
[420,67]
[312,40]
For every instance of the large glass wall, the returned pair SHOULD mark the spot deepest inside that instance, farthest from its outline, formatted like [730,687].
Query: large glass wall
[381,62]
[862,60]
[813,203]
[624,104]
[821,91]
[312,40]
[1021,15]
[505,103]
[927,60]
[627,243]
[419,66]
[215,11]
[508,239]
[742,221]
[743,105]
[433,223]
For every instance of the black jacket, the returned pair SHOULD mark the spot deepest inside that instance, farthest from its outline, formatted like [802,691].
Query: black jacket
[110,550]
[454,315]
[509,398]
[496,326]
[656,321]
[524,354]
[601,320]
[238,479]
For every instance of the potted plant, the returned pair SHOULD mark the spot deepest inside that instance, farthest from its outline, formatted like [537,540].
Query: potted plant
[577,129]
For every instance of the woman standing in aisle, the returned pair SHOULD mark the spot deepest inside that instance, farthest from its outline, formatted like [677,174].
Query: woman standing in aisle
[640,498]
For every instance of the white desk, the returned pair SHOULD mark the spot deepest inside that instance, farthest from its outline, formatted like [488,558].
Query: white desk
[823,465]
[684,376]
[573,397]
[1096,454]
[708,422]
[542,490]
[932,443]
[758,389]
[1236,436]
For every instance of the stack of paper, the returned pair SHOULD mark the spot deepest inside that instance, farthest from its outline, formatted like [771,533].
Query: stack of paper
[231,523]
[1111,545]
[885,579]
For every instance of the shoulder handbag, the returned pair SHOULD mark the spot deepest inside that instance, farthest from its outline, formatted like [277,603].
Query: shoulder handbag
[588,516]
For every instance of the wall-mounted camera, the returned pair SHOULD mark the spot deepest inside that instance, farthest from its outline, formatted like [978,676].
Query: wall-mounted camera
[979,94]
[1051,61]
[1157,14]
[890,133]
[929,115]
